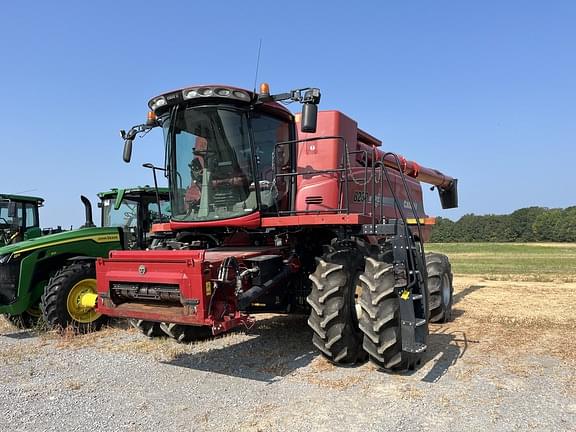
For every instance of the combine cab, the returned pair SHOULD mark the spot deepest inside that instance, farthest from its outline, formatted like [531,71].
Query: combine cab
[47,266]
[19,218]
[276,211]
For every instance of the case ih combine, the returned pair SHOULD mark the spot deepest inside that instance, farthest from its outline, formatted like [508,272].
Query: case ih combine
[273,210]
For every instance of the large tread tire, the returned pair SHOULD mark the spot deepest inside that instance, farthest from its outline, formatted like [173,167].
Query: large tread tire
[332,300]
[150,329]
[440,287]
[24,320]
[380,319]
[54,301]
[184,333]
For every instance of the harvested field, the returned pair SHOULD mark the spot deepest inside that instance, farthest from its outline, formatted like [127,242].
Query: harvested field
[504,363]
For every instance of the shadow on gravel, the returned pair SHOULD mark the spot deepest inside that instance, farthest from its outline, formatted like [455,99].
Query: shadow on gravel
[22,334]
[457,313]
[466,291]
[450,344]
[279,345]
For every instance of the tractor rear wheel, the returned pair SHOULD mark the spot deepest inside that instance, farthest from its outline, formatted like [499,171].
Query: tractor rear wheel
[27,319]
[439,287]
[333,314]
[149,328]
[62,299]
[380,319]
[185,333]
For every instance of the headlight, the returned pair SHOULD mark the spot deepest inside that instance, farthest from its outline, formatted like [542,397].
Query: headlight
[5,258]
[157,103]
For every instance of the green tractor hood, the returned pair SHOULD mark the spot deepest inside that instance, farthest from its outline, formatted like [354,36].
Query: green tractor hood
[98,235]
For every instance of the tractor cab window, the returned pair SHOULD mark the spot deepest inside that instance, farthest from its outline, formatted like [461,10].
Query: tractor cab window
[126,216]
[211,164]
[153,211]
[31,216]
[7,220]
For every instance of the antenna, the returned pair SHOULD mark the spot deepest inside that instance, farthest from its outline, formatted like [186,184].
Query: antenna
[257,65]
[26,191]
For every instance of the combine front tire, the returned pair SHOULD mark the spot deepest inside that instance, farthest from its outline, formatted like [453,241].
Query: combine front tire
[333,316]
[63,299]
[440,287]
[380,321]
[149,328]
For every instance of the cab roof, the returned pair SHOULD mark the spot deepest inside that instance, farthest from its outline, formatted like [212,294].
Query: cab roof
[137,190]
[23,198]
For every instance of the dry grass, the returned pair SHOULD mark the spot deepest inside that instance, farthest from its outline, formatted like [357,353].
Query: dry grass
[506,321]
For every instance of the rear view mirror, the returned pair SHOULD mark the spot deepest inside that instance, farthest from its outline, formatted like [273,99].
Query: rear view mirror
[12,209]
[127,150]
[309,118]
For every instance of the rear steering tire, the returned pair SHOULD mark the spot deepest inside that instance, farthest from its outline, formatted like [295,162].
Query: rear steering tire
[61,299]
[184,333]
[440,287]
[333,316]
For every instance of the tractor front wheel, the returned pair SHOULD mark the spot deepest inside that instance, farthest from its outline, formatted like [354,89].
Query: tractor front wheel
[66,298]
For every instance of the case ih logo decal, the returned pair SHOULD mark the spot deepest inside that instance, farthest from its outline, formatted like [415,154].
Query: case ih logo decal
[363,196]
[142,269]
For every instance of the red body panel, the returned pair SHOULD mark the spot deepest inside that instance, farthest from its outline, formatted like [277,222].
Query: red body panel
[193,272]
[249,221]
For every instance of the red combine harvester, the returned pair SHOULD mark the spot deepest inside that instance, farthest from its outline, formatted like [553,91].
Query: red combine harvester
[272,211]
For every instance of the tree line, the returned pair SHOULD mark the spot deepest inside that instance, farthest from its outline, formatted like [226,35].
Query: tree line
[530,224]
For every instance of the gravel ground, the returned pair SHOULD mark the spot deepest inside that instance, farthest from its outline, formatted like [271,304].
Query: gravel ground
[481,372]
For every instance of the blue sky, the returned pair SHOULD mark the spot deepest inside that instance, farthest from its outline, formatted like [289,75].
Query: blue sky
[484,91]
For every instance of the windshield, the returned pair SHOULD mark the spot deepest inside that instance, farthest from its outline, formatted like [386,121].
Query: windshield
[211,164]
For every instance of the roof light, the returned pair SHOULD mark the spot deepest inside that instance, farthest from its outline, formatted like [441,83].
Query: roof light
[151,119]
[157,103]
[223,92]
[265,89]
[190,93]
[241,95]
[206,91]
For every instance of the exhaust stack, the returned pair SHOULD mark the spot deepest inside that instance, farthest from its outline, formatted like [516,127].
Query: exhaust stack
[88,208]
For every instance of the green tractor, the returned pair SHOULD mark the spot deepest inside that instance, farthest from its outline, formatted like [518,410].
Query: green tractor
[19,218]
[26,267]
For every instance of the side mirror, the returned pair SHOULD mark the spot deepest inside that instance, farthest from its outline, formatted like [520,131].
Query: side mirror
[127,150]
[12,210]
[309,118]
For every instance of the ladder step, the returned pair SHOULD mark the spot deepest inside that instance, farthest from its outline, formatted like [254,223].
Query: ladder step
[416,296]
[420,322]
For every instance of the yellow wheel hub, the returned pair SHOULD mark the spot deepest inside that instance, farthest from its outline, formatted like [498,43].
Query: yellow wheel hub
[81,301]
